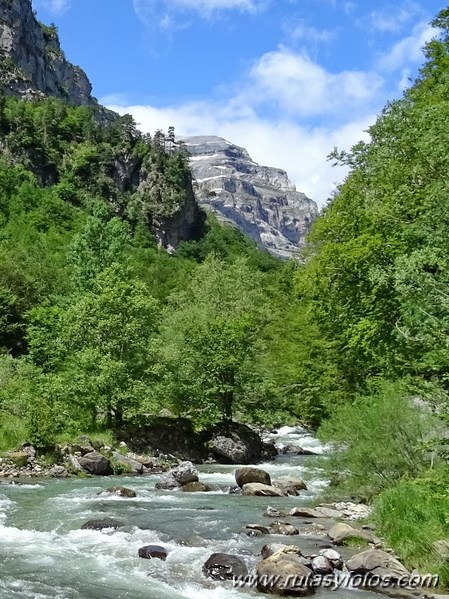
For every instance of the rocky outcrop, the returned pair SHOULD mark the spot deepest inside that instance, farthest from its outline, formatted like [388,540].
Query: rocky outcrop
[33,64]
[233,443]
[261,201]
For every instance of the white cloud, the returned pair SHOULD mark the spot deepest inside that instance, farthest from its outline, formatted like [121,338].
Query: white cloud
[165,12]
[300,31]
[408,50]
[392,19]
[301,87]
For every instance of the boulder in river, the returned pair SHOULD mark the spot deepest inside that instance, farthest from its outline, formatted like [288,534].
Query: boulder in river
[153,551]
[95,463]
[283,528]
[257,527]
[195,487]
[233,443]
[305,512]
[289,482]
[342,532]
[333,556]
[375,562]
[284,573]
[182,474]
[271,548]
[322,565]
[262,490]
[121,492]
[102,523]
[222,566]
[246,475]
[272,512]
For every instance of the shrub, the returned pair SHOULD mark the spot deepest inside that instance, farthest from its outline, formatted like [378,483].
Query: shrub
[377,439]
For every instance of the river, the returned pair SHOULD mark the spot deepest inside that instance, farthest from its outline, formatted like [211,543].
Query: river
[45,554]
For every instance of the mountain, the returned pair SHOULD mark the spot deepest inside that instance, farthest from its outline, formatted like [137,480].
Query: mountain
[260,200]
[33,65]
[48,96]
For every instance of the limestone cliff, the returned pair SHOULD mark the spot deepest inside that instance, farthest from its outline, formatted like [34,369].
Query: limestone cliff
[261,201]
[32,63]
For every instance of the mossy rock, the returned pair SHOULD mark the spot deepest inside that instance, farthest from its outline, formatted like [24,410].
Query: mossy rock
[18,458]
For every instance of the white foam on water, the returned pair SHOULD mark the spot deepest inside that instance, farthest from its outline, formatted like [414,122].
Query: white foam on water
[6,505]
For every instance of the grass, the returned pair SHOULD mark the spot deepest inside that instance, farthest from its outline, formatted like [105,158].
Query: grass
[13,432]
[411,516]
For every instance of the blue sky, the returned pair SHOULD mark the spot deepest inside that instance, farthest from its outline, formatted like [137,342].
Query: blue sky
[287,79]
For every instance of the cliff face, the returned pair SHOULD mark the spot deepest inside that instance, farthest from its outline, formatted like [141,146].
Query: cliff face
[32,63]
[261,201]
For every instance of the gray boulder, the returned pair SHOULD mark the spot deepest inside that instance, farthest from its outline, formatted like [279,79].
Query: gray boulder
[195,487]
[58,472]
[247,475]
[342,532]
[321,565]
[284,573]
[95,463]
[135,466]
[234,443]
[377,563]
[121,492]
[283,528]
[181,475]
[261,490]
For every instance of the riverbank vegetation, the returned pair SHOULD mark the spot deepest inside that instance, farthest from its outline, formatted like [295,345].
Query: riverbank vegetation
[376,283]
[100,325]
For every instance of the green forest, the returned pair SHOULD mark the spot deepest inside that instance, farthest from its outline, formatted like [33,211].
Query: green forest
[100,326]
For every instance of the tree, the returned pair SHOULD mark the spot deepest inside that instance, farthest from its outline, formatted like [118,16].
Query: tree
[211,331]
[103,348]
[101,243]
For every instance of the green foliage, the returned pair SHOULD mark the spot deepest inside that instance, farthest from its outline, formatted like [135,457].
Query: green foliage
[13,432]
[120,468]
[211,332]
[378,439]
[414,514]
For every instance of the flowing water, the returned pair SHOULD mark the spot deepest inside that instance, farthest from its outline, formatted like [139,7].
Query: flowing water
[45,554]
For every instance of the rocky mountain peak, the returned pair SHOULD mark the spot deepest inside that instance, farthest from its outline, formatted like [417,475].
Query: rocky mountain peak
[260,200]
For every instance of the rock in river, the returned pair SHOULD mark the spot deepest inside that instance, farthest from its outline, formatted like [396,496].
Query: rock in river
[221,566]
[247,475]
[153,551]
[103,523]
[262,490]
